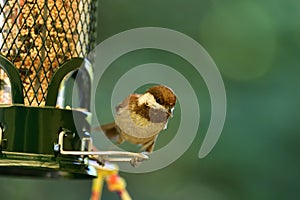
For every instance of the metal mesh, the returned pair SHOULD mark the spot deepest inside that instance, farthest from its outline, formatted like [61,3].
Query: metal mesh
[39,36]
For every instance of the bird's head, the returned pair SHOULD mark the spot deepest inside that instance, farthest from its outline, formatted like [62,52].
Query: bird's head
[159,97]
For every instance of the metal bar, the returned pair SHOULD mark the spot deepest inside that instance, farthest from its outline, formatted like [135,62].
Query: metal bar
[131,157]
[53,88]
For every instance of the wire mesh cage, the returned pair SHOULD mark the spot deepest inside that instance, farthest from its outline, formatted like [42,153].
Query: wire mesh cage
[39,36]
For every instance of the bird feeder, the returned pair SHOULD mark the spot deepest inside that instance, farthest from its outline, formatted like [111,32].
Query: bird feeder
[43,44]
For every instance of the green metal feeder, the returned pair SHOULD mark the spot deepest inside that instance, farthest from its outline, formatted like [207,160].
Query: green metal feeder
[29,135]
[42,45]
[41,42]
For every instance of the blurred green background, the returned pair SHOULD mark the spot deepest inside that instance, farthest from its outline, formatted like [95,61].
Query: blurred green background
[256,46]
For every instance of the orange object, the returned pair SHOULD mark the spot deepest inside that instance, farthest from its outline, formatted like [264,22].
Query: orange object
[114,182]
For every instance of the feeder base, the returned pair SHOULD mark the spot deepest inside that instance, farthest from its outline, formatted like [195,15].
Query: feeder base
[36,165]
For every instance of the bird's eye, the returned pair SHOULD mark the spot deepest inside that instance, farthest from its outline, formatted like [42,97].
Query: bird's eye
[158,100]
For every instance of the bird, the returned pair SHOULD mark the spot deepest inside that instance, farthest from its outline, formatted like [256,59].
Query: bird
[140,118]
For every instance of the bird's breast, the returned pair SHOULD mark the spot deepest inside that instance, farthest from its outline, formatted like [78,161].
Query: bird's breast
[136,125]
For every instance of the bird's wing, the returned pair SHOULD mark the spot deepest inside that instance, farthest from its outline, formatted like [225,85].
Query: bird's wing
[125,102]
[110,130]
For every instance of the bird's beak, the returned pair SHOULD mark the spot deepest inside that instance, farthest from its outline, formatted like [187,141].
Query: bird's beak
[170,112]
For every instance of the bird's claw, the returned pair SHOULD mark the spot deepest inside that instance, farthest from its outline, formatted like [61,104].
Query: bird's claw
[136,161]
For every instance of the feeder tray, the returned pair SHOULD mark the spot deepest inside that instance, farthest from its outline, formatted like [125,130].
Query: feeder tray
[28,139]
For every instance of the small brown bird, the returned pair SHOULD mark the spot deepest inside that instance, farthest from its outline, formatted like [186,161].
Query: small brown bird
[141,117]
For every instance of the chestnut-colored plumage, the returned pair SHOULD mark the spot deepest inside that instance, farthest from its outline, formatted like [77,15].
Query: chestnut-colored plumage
[140,117]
